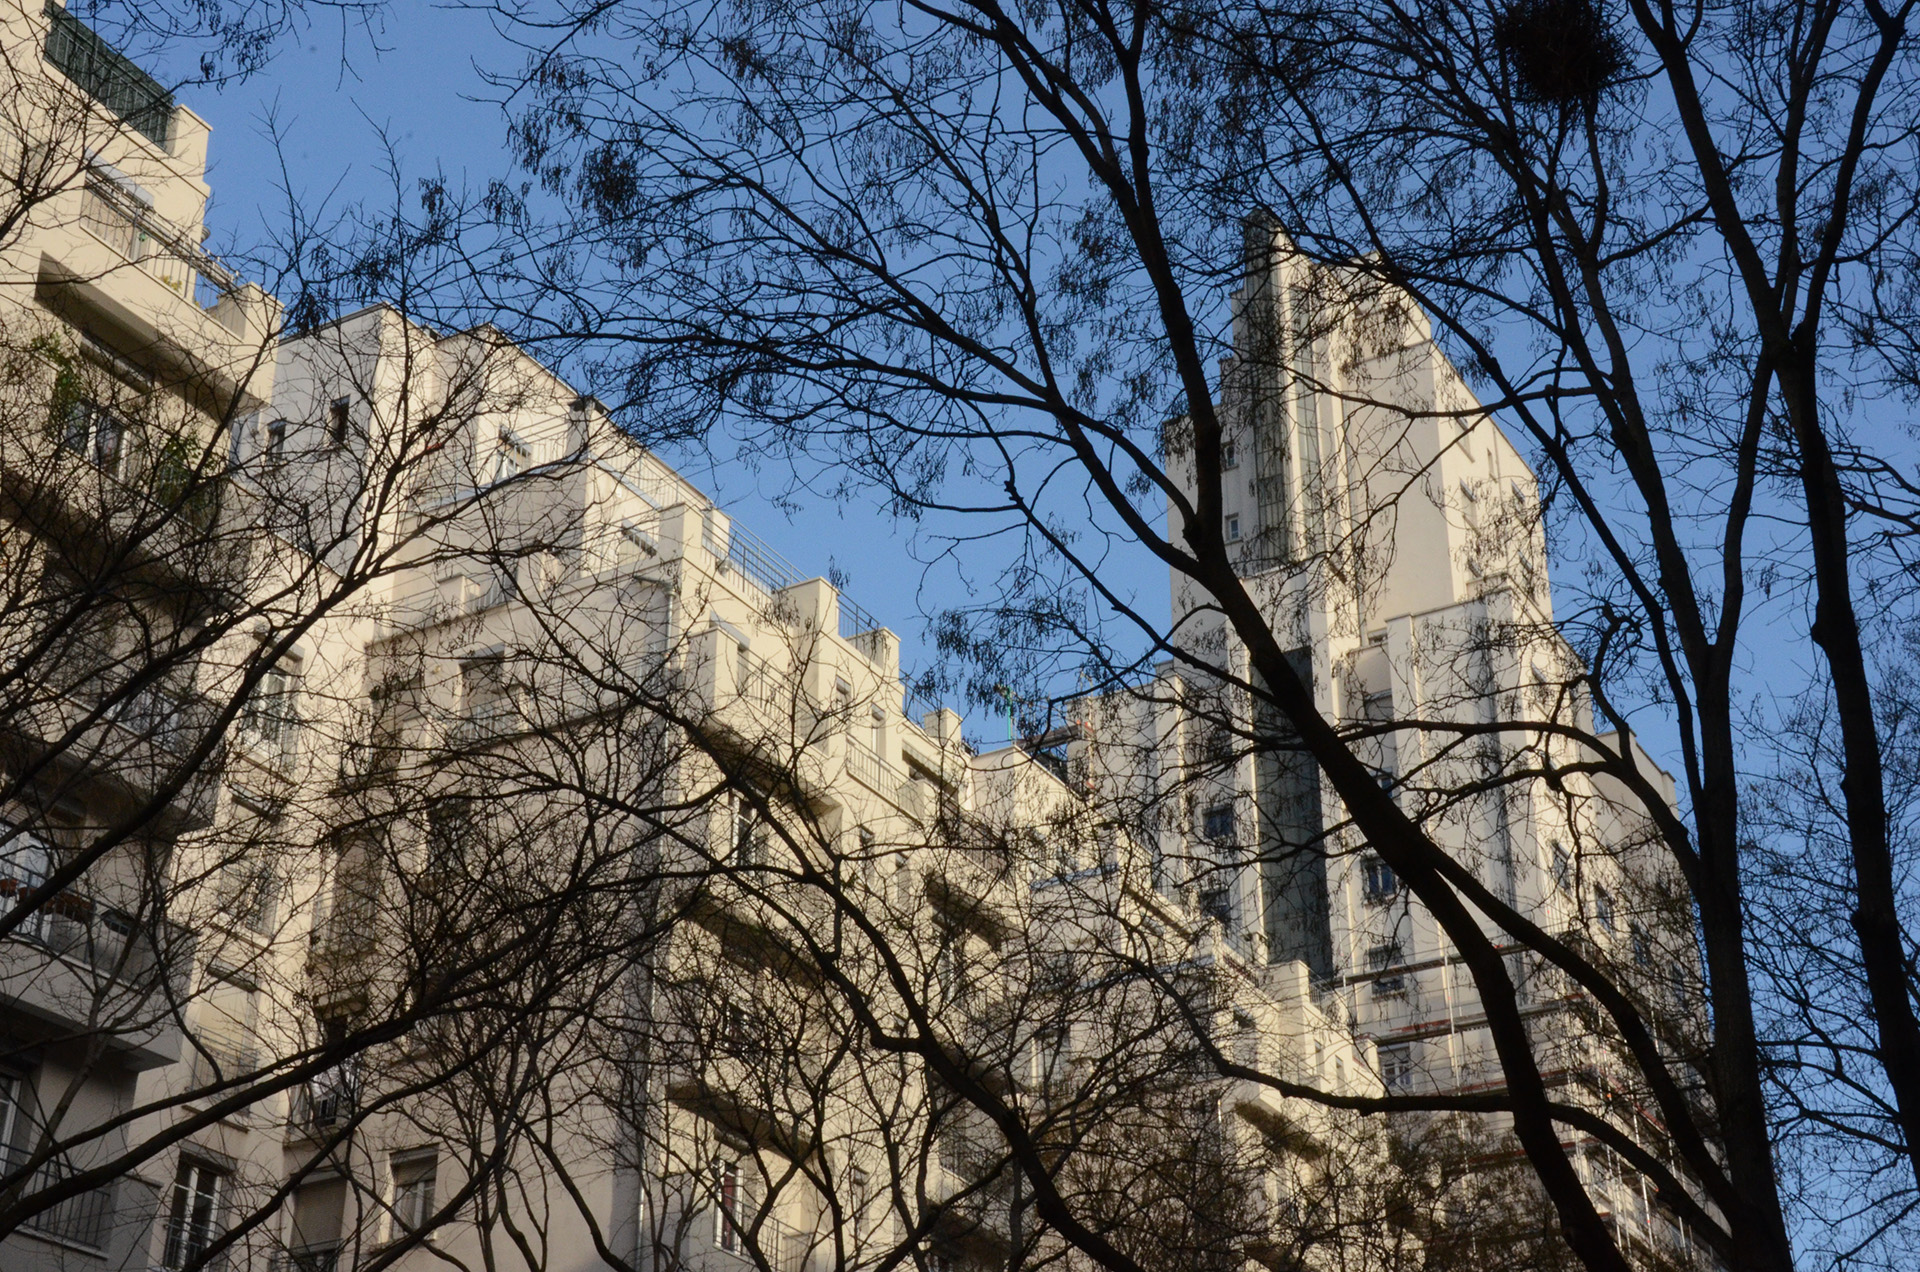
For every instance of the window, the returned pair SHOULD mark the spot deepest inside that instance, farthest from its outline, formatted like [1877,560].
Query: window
[486,696]
[1049,1057]
[275,443]
[1562,867]
[1396,1067]
[877,723]
[1378,880]
[96,434]
[271,715]
[1229,455]
[1642,944]
[226,1017]
[250,895]
[9,1108]
[339,419]
[1217,823]
[740,1033]
[450,836]
[749,846]
[334,1094]
[1383,957]
[860,1185]
[1383,749]
[353,898]
[193,1213]
[726,1206]
[1603,908]
[510,457]
[1233,528]
[413,1178]
[950,964]
[748,680]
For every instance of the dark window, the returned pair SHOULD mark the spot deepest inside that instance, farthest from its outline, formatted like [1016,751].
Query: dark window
[1383,957]
[1217,822]
[338,420]
[726,1188]
[95,433]
[1603,908]
[750,835]
[1378,879]
[1562,868]
[276,441]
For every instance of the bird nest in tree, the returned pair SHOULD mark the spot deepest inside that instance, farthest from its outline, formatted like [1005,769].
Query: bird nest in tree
[1559,52]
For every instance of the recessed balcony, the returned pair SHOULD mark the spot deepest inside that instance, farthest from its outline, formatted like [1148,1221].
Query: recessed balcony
[146,288]
[77,965]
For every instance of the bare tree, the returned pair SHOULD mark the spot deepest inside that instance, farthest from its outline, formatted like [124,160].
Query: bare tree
[974,258]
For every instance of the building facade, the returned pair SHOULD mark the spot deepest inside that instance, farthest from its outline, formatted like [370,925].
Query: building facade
[437,834]
[1394,538]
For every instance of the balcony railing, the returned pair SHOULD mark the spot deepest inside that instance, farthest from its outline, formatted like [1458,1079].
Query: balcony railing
[84,1219]
[866,765]
[309,1258]
[755,559]
[784,1247]
[72,925]
[107,76]
[133,230]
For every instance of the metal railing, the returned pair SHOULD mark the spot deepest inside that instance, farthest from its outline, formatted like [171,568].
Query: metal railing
[756,560]
[866,765]
[71,924]
[784,1247]
[308,1258]
[108,76]
[84,1219]
[134,231]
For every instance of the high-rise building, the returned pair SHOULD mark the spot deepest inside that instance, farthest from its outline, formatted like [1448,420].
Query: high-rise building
[1392,535]
[434,830]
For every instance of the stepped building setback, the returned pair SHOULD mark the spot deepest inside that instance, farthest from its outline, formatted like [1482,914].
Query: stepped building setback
[436,834]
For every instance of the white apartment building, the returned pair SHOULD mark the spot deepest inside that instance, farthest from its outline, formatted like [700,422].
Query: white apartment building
[126,349]
[573,593]
[510,693]
[1392,533]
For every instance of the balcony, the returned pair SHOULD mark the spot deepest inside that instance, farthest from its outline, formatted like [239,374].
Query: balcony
[751,707]
[783,1247]
[129,228]
[85,1219]
[325,1257]
[147,289]
[103,73]
[125,753]
[74,965]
